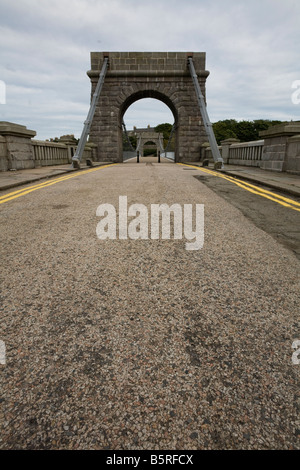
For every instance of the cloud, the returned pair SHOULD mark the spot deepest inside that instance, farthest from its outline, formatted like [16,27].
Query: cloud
[252,54]
[147,112]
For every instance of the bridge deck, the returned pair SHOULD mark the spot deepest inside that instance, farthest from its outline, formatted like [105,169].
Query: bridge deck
[141,344]
[149,159]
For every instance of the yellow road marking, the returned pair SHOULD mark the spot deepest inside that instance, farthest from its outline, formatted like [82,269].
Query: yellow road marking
[278,196]
[45,184]
[284,201]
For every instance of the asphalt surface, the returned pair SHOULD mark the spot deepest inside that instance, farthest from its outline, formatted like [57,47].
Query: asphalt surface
[141,344]
[273,218]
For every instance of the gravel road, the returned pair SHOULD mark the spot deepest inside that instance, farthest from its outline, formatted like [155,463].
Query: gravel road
[141,344]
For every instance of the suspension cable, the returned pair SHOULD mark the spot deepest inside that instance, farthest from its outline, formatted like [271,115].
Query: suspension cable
[207,124]
[87,124]
[127,137]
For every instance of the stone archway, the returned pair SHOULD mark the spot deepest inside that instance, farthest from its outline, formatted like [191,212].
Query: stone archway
[135,75]
[150,139]
[150,147]
[155,94]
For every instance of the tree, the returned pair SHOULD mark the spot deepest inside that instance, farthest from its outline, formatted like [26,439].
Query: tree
[132,140]
[246,131]
[264,124]
[225,130]
[164,129]
[243,130]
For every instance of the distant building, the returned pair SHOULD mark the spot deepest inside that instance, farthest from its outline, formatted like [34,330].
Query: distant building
[137,131]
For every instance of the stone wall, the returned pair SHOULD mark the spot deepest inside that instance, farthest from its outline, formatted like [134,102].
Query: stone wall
[149,136]
[293,155]
[16,147]
[50,153]
[235,152]
[3,153]
[135,75]
[128,154]
[18,151]
[280,152]
[148,63]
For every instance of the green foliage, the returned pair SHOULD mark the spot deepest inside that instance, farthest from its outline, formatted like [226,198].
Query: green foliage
[64,137]
[133,141]
[164,129]
[151,150]
[150,143]
[148,152]
[245,131]
[225,129]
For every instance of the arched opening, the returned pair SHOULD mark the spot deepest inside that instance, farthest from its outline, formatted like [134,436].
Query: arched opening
[141,108]
[150,148]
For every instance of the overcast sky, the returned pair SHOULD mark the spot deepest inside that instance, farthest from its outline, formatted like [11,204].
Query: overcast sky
[252,53]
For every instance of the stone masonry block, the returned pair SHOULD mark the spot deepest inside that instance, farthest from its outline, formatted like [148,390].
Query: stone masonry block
[136,75]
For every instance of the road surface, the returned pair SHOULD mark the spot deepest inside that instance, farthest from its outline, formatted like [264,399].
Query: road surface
[142,344]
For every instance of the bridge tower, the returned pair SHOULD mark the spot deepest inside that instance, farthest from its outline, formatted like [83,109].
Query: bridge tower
[132,76]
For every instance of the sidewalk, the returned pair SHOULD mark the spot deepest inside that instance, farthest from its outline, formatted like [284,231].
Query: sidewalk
[12,178]
[284,182]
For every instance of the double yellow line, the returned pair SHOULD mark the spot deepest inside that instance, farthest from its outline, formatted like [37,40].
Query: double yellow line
[284,201]
[45,184]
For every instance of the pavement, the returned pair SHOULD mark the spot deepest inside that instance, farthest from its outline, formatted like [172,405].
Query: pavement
[141,344]
[283,182]
[13,178]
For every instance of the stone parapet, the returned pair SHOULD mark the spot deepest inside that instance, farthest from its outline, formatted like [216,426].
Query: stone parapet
[16,130]
[276,139]
[16,146]
[283,129]
[226,144]
[19,151]
[293,155]
[148,63]
[3,154]
[49,153]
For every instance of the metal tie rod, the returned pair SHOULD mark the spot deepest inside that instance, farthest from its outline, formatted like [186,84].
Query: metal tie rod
[207,124]
[87,123]
[170,138]
[127,136]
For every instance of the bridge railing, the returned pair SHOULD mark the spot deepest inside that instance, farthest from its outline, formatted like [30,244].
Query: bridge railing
[129,154]
[49,153]
[56,153]
[237,153]
[170,155]
[246,153]
[19,151]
